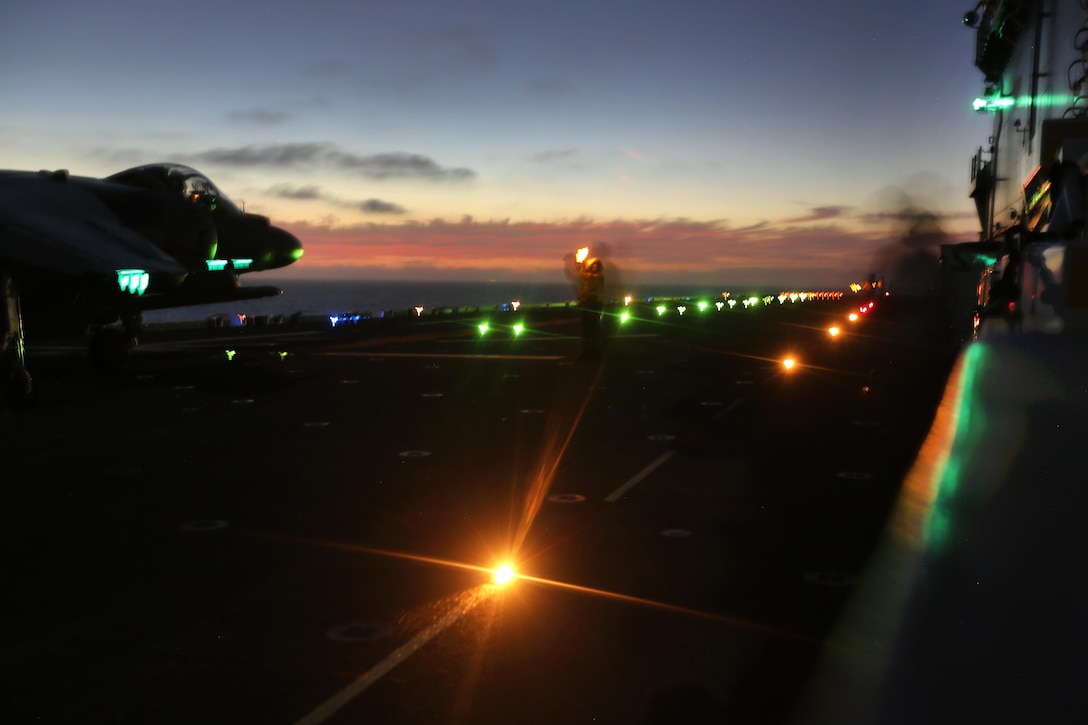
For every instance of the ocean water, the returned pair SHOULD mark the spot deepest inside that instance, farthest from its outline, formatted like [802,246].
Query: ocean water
[326,297]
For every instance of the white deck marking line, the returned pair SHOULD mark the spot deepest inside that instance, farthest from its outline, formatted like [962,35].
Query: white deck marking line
[637,478]
[461,356]
[725,411]
[326,709]
[657,463]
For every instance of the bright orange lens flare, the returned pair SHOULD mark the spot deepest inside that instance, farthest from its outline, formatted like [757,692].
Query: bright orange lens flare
[788,363]
[833,331]
[504,574]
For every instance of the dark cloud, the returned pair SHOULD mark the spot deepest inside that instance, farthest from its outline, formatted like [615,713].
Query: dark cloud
[399,165]
[909,215]
[289,154]
[286,191]
[314,193]
[910,264]
[819,213]
[260,117]
[393,165]
[377,206]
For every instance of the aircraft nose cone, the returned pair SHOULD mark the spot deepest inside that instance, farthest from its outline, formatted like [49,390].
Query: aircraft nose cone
[286,248]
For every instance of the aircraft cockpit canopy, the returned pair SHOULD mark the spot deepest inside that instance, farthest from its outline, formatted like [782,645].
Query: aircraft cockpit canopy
[178,179]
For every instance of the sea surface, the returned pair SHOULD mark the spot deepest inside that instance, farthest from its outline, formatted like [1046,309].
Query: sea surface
[329,297]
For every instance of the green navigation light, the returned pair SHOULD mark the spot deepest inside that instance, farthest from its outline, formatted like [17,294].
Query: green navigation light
[992,104]
[133,281]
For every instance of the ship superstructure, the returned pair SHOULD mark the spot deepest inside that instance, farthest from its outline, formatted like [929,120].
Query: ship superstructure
[967,611]
[1028,179]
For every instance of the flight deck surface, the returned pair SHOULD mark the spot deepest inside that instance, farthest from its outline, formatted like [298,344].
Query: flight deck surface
[300,525]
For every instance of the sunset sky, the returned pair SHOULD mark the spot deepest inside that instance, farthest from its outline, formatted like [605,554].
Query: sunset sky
[690,140]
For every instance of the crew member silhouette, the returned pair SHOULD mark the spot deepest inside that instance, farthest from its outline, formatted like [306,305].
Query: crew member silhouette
[591,300]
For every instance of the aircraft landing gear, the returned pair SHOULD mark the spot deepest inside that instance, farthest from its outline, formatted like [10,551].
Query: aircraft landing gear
[111,346]
[13,373]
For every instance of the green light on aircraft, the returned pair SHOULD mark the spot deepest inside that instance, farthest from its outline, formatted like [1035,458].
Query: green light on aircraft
[218,265]
[133,281]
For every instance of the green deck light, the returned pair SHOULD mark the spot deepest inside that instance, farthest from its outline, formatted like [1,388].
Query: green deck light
[133,281]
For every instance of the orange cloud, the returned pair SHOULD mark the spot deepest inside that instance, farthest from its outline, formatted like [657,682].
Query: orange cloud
[665,250]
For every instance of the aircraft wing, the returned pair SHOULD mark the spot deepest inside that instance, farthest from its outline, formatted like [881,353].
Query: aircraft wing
[50,225]
[185,297]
